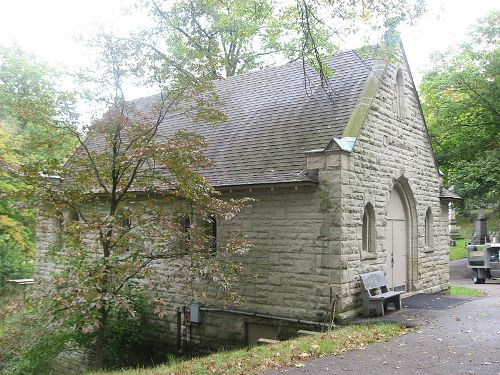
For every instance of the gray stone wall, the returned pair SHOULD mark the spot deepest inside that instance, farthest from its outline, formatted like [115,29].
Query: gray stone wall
[292,264]
[289,268]
[47,235]
[391,150]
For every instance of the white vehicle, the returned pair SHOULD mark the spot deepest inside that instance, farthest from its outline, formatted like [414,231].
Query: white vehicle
[484,261]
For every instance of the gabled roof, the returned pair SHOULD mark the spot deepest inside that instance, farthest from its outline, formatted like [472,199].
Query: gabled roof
[274,120]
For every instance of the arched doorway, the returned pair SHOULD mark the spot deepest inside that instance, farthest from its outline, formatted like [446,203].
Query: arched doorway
[396,241]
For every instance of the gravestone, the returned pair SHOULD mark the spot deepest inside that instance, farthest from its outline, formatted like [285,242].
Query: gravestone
[453,227]
[481,233]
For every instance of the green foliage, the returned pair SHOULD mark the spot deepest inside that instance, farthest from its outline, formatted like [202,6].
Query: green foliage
[32,112]
[460,98]
[32,341]
[478,179]
[32,103]
[38,357]
[28,343]
[14,263]
[15,219]
[132,339]
[211,39]
[218,39]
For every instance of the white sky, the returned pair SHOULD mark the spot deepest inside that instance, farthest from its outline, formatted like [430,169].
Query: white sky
[48,27]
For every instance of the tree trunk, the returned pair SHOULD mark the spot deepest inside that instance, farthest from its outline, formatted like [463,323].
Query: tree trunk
[99,362]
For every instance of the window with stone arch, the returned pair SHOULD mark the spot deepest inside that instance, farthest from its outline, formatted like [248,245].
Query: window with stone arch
[368,234]
[428,228]
[400,95]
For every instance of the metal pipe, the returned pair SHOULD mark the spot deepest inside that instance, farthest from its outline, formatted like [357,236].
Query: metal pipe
[264,316]
[179,342]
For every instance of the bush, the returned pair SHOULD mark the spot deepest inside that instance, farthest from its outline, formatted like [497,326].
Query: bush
[33,339]
[14,263]
[28,343]
[131,339]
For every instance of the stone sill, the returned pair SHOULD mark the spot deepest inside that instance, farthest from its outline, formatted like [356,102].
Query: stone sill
[365,255]
[428,249]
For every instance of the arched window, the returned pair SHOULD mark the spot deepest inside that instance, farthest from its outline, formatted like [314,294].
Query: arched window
[69,216]
[368,235]
[428,228]
[400,95]
[186,224]
[184,234]
[69,228]
[212,232]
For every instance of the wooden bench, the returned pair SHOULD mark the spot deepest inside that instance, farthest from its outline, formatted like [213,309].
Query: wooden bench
[376,294]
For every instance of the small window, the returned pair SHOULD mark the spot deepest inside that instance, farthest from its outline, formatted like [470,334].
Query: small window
[400,95]
[185,234]
[368,235]
[428,228]
[70,216]
[186,224]
[68,228]
[126,223]
[212,226]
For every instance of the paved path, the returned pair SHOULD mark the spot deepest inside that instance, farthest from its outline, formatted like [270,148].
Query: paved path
[462,339]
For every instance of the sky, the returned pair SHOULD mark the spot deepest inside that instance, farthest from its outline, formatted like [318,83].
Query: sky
[48,27]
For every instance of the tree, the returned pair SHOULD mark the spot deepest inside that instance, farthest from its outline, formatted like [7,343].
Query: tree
[218,39]
[31,102]
[127,197]
[16,235]
[460,98]
[212,39]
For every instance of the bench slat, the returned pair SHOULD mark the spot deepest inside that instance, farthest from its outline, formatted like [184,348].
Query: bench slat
[373,280]
[386,295]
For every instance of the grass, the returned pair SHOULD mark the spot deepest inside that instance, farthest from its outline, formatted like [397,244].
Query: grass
[463,291]
[257,359]
[466,229]
[458,251]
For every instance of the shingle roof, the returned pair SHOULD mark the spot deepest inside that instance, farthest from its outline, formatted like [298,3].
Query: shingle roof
[448,195]
[273,120]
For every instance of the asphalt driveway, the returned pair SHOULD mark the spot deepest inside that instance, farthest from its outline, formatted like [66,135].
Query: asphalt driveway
[453,336]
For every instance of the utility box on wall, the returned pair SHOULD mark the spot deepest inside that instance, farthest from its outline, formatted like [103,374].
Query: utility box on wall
[195,313]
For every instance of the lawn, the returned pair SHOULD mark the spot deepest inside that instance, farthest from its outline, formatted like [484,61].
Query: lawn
[466,229]
[463,291]
[258,359]
[458,251]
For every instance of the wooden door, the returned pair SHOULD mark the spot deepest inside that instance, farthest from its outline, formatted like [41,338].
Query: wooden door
[396,243]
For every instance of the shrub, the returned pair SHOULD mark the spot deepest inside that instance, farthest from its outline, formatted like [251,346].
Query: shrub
[14,263]
[33,339]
